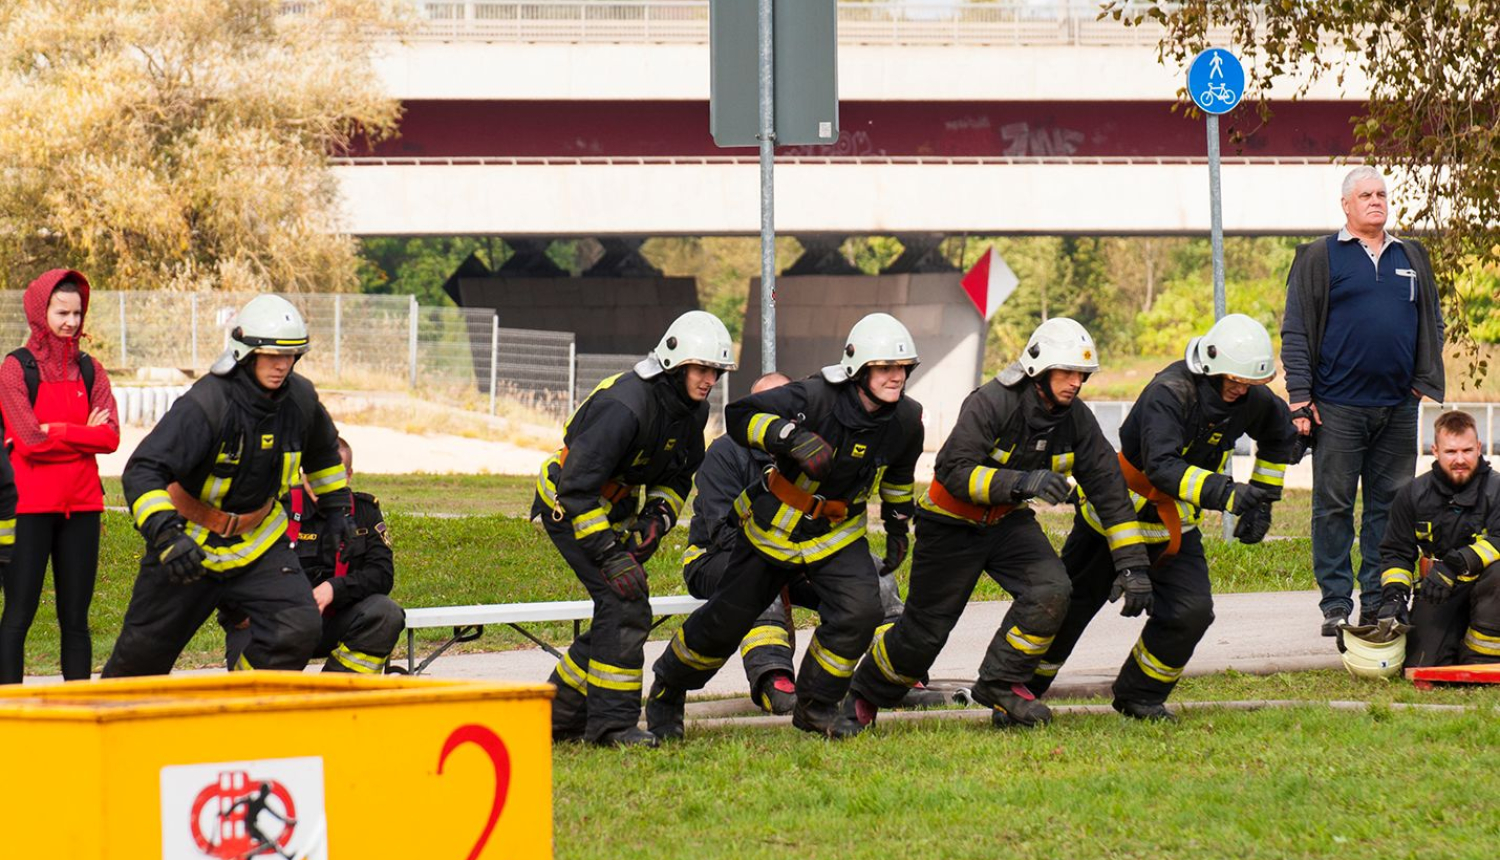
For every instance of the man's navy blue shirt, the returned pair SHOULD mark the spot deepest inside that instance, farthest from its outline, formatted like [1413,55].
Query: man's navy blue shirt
[1369,346]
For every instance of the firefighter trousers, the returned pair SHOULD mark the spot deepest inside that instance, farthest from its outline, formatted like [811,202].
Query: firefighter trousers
[1463,629]
[1182,612]
[598,680]
[767,648]
[358,638]
[946,565]
[163,615]
[848,593]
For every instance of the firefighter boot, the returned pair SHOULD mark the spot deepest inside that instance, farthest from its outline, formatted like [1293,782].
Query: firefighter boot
[570,714]
[858,712]
[776,693]
[1016,706]
[824,719]
[1151,711]
[630,736]
[664,708]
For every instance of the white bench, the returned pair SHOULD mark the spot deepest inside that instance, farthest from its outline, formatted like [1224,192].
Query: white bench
[468,622]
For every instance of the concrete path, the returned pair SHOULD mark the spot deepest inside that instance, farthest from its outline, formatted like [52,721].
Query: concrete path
[1254,633]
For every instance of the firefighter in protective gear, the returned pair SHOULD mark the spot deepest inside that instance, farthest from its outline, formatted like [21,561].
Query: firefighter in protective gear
[835,439]
[351,583]
[1017,439]
[1447,521]
[642,429]
[203,488]
[1174,445]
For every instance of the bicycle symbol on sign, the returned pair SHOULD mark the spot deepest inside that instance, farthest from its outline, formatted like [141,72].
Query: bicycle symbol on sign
[1213,92]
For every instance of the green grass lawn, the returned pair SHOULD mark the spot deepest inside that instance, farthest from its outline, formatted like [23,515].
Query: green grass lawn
[1299,782]
[481,549]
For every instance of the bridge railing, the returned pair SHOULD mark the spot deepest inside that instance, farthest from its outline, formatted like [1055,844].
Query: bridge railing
[935,160]
[1012,22]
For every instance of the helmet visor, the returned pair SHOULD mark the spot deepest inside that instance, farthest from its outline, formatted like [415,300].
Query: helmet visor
[272,345]
[1245,380]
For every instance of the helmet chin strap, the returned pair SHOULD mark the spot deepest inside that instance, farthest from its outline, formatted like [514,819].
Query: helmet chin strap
[1043,385]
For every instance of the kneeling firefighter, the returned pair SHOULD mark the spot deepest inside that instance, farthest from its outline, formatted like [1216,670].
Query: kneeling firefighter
[1018,438]
[1174,445]
[834,438]
[641,428]
[203,488]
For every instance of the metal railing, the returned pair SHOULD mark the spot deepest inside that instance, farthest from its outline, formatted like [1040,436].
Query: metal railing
[1011,23]
[933,160]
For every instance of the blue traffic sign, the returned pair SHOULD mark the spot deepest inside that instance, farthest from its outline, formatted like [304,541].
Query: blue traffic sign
[1216,81]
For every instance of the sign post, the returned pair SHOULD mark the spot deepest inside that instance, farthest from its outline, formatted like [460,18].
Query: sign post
[1216,83]
[785,91]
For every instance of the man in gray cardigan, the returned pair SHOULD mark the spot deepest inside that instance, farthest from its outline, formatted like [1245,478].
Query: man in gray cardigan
[1362,344]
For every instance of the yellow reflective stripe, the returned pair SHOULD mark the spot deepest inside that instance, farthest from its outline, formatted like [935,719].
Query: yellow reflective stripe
[1125,534]
[1150,533]
[291,469]
[544,484]
[764,636]
[742,505]
[760,422]
[246,548]
[1396,576]
[1028,643]
[999,456]
[692,554]
[242,665]
[328,480]
[7,532]
[1190,488]
[668,495]
[1486,551]
[1153,667]
[833,664]
[590,522]
[572,675]
[1482,643]
[1063,463]
[776,545]
[883,662]
[980,480]
[1048,670]
[896,493]
[358,661]
[692,659]
[609,677]
[1266,472]
[150,502]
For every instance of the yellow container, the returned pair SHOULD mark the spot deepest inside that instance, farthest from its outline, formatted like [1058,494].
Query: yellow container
[276,764]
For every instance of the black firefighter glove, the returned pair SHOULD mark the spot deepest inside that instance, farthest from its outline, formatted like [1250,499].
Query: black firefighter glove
[1437,585]
[1253,526]
[812,452]
[1393,601]
[1134,583]
[340,527]
[1042,484]
[897,545]
[180,557]
[1244,499]
[625,575]
[651,525]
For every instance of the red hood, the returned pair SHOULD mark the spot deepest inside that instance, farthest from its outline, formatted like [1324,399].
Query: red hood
[52,352]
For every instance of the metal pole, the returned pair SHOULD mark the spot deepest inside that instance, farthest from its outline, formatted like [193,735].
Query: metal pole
[412,343]
[494,356]
[121,294]
[193,309]
[338,331]
[1216,239]
[767,194]
[572,374]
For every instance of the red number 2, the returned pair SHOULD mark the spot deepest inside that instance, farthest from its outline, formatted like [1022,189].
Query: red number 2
[499,757]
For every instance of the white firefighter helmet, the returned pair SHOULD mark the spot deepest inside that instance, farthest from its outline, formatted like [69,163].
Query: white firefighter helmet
[268,324]
[1237,347]
[877,339]
[1059,344]
[1369,659]
[696,337]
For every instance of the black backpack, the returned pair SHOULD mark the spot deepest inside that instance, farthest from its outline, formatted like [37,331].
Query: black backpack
[33,375]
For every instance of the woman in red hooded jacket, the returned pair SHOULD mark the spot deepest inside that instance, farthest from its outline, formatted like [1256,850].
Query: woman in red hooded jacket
[53,443]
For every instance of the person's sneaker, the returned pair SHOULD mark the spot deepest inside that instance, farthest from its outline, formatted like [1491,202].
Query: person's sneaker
[1332,619]
[1152,711]
[664,709]
[631,736]
[824,719]
[1017,707]
[776,693]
